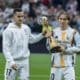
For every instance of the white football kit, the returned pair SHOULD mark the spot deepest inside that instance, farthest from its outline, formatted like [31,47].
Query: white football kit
[63,64]
[16,51]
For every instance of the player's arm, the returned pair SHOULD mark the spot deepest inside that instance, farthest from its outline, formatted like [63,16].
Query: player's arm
[37,37]
[7,38]
[76,47]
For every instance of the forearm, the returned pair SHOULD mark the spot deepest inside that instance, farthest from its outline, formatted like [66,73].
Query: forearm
[8,57]
[73,49]
[7,47]
[76,47]
[36,38]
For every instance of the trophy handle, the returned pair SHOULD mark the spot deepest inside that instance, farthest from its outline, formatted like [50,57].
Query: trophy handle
[52,42]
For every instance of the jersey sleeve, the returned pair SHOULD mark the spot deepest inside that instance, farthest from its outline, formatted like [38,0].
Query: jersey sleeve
[7,42]
[33,38]
[76,47]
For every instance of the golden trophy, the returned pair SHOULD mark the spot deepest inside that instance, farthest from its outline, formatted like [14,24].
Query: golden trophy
[54,45]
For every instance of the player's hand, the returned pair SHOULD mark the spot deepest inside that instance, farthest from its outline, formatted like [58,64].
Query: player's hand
[61,49]
[47,33]
[14,66]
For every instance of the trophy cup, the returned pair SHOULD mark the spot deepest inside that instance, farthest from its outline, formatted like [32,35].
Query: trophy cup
[54,45]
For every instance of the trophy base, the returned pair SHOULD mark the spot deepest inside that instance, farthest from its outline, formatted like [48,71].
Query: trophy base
[55,49]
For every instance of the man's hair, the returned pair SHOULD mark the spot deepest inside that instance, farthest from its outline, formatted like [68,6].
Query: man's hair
[17,10]
[64,13]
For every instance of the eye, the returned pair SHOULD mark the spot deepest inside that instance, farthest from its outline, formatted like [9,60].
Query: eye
[20,16]
[63,19]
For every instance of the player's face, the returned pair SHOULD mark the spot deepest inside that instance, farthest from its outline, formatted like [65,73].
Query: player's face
[63,20]
[18,17]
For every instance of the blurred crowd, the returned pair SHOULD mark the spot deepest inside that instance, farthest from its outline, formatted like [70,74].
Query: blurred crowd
[34,9]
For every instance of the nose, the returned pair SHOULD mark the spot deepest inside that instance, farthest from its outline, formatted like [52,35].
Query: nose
[63,20]
[21,18]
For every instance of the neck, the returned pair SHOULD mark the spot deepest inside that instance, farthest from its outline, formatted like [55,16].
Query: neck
[64,27]
[19,25]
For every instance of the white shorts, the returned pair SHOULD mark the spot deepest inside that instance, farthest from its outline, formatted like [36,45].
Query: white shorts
[22,70]
[57,73]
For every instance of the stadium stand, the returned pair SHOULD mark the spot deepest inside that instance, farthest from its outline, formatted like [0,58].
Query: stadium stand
[34,9]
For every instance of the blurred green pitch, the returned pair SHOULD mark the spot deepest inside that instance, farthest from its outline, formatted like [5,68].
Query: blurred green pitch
[39,67]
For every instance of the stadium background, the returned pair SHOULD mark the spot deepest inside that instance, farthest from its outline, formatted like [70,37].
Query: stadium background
[33,10]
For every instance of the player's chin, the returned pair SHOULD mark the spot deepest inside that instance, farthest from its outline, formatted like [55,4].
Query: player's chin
[20,22]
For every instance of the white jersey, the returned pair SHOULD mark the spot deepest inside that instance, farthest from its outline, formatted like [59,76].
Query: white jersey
[16,40]
[63,37]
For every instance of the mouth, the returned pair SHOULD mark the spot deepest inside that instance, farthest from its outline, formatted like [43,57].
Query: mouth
[20,20]
[63,23]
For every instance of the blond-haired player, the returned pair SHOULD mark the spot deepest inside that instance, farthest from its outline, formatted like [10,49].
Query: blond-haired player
[63,61]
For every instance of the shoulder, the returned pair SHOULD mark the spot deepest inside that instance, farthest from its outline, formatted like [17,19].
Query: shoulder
[26,27]
[7,32]
[8,29]
[56,29]
[10,25]
[72,30]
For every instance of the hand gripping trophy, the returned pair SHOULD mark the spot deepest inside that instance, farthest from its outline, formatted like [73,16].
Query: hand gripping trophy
[54,45]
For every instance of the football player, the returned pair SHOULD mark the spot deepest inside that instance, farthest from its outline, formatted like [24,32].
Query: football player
[63,61]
